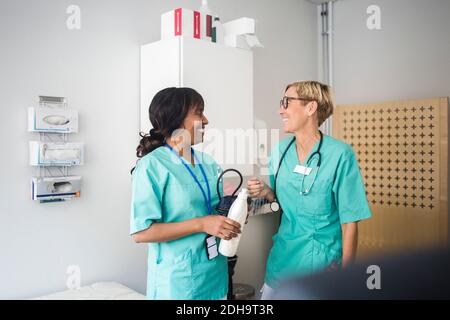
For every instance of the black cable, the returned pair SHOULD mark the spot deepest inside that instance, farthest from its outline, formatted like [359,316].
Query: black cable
[220,177]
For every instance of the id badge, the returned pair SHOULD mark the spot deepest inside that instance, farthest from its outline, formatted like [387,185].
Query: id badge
[302,170]
[211,247]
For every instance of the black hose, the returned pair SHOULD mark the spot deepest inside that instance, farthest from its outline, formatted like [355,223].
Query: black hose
[220,177]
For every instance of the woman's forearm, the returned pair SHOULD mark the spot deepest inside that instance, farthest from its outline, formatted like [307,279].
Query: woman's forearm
[349,243]
[269,196]
[163,232]
[259,189]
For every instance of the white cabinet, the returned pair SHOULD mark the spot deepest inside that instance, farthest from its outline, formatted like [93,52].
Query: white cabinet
[223,76]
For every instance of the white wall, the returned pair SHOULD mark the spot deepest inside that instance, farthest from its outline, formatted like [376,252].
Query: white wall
[97,68]
[409,58]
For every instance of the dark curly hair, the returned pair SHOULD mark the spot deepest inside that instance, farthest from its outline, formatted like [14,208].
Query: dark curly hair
[167,112]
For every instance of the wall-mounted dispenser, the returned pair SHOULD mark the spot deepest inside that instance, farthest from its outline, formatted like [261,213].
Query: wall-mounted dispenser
[52,189]
[56,154]
[50,119]
[52,155]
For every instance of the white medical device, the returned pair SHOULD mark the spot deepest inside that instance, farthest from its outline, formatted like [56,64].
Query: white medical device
[51,189]
[52,155]
[56,154]
[52,120]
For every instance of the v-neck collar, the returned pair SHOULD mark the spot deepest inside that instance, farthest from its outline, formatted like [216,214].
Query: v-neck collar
[313,149]
[183,160]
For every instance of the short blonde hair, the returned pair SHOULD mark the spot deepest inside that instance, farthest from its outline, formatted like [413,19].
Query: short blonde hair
[319,92]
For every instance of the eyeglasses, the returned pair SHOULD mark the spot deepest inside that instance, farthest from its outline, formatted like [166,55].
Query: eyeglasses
[285,101]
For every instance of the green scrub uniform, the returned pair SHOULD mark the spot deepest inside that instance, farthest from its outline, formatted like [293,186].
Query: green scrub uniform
[309,238]
[164,191]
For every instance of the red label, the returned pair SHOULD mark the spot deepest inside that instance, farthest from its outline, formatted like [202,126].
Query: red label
[178,22]
[197,24]
[208,26]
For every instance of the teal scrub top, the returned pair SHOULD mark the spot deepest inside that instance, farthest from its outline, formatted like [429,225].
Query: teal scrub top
[309,238]
[163,191]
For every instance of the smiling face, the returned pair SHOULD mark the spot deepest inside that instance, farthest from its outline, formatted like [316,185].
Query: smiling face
[298,113]
[195,123]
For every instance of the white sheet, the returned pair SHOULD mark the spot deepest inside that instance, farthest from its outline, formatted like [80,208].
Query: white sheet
[96,291]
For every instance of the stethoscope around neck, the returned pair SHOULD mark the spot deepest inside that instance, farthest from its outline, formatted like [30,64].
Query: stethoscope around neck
[275,206]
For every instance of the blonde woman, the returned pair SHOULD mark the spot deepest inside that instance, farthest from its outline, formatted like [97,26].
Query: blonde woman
[316,183]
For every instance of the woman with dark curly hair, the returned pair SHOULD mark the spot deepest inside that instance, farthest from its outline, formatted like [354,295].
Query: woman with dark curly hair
[173,201]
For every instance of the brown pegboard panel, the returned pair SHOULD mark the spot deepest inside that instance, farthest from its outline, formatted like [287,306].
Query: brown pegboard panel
[402,149]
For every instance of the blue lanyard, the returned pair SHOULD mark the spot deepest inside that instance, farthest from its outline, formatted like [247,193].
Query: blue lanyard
[183,161]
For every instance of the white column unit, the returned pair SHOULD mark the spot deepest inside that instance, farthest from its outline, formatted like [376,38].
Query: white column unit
[223,76]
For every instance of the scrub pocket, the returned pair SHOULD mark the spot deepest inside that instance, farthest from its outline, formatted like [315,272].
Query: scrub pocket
[319,200]
[323,256]
[210,278]
[174,278]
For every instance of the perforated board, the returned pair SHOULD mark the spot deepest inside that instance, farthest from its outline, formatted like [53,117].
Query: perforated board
[402,149]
